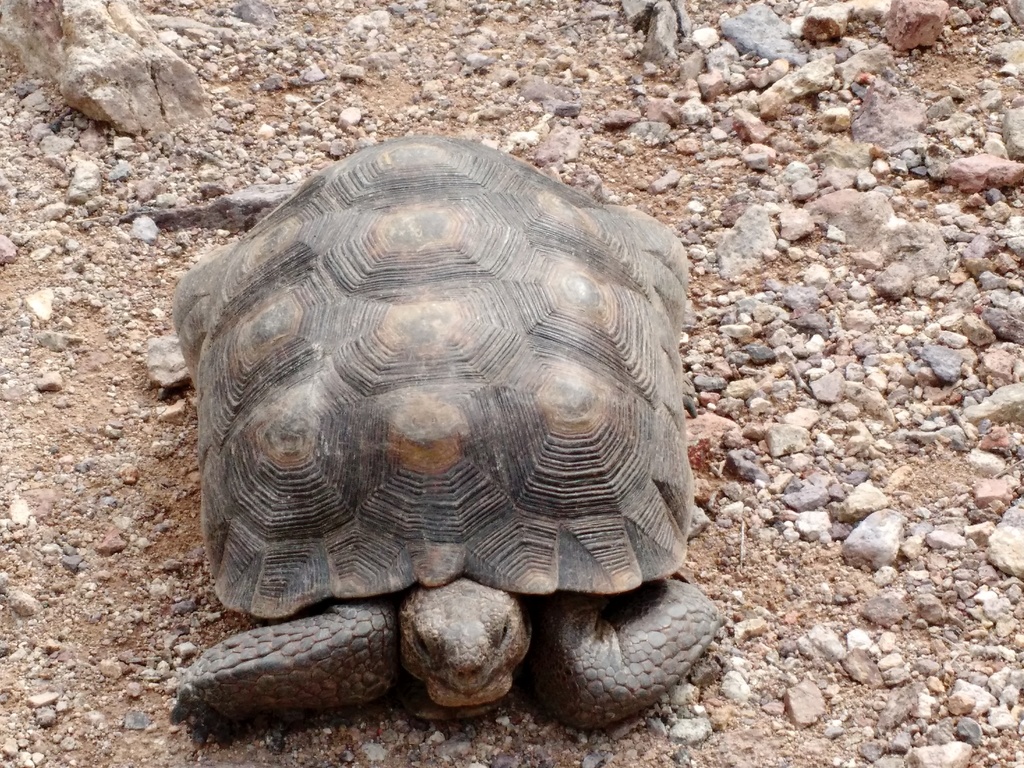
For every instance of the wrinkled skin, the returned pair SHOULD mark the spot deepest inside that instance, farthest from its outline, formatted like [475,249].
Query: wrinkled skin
[593,659]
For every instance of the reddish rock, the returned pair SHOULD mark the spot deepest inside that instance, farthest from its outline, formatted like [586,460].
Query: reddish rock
[981,172]
[8,251]
[997,438]
[112,543]
[712,85]
[664,111]
[988,492]
[997,367]
[618,119]
[750,128]
[708,426]
[915,23]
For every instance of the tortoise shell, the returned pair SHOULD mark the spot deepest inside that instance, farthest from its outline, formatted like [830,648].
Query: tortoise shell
[433,361]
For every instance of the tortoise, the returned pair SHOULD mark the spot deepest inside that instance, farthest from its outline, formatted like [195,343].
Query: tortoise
[442,437]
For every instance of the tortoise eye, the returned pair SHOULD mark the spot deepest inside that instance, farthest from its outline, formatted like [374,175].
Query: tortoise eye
[420,644]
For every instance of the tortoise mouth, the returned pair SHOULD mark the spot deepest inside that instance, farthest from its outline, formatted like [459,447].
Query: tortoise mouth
[470,693]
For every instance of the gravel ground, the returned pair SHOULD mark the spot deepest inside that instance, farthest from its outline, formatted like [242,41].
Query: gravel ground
[863,487]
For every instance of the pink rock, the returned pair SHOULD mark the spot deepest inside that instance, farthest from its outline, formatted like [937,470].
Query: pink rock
[112,543]
[914,23]
[981,172]
[664,111]
[997,366]
[990,491]
[794,224]
[997,439]
[8,251]
[708,426]
[750,128]
[618,119]
[712,85]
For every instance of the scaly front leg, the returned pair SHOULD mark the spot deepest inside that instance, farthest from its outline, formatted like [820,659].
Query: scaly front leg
[596,660]
[346,655]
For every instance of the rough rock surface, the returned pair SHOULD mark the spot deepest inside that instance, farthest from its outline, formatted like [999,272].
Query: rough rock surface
[107,61]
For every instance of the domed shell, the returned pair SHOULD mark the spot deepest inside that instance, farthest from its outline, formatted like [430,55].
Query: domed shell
[431,362]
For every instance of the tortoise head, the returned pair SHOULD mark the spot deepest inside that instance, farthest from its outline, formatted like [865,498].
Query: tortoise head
[464,641]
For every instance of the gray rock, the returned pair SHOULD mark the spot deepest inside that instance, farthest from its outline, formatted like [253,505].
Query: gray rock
[808,497]
[740,249]
[1016,11]
[666,182]
[255,12]
[811,78]
[885,610]
[875,542]
[743,464]
[1013,128]
[1005,405]
[969,730]
[1006,325]
[374,752]
[691,731]
[944,362]
[660,45]
[827,643]
[829,389]
[886,118]
[928,607]
[759,30]
[894,282]
[898,707]
[166,364]
[873,61]
[919,245]
[132,81]
[734,687]
[650,132]
[135,720]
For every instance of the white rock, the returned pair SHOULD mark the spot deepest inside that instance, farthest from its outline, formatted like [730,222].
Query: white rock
[986,464]
[734,687]
[1006,550]
[705,37]
[40,303]
[811,525]
[876,541]
[955,754]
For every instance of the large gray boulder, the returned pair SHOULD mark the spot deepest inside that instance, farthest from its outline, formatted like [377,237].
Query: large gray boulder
[106,60]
